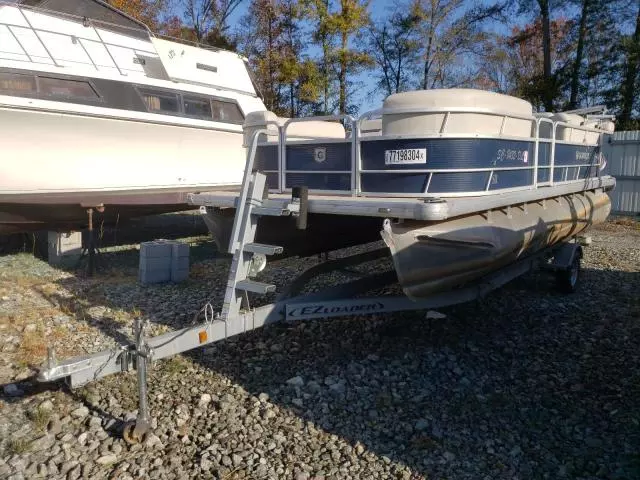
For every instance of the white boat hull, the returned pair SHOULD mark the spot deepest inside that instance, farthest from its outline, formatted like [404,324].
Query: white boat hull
[71,161]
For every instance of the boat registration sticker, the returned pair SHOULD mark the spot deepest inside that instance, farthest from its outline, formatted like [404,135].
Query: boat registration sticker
[405,156]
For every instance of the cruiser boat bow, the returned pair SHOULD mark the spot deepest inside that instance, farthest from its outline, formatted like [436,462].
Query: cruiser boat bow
[97,111]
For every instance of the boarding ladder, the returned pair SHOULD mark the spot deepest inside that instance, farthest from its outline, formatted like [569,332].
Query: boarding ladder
[249,257]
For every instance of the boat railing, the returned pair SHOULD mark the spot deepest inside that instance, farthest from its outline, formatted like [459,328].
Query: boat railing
[282,150]
[140,31]
[15,30]
[557,173]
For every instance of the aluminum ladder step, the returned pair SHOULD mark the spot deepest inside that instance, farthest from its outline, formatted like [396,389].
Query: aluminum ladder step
[255,287]
[262,248]
[269,211]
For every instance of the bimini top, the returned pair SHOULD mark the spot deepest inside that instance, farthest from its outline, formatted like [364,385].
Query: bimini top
[432,143]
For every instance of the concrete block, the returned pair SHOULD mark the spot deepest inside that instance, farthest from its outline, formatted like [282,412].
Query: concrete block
[149,276]
[163,261]
[64,249]
[156,248]
[179,262]
[178,276]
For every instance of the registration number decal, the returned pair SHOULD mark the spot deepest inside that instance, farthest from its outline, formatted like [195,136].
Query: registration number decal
[405,156]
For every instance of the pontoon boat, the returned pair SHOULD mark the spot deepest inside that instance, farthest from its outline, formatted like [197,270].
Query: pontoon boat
[465,180]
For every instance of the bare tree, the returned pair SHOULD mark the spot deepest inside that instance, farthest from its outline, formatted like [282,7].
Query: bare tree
[450,29]
[394,47]
[209,18]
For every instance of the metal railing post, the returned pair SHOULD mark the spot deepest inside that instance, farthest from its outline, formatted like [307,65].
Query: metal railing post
[355,160]
[552,159]
[26,19]
[15,37]
[87,52]
[107,49]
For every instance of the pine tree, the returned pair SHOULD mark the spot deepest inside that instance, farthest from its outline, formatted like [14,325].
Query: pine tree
[349,21]
[263,42]
[320,15]
[629,90]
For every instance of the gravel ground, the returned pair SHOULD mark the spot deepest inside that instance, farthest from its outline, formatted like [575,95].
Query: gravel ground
[525,384]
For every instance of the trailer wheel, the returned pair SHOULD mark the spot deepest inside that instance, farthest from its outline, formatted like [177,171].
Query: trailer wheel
[567,280]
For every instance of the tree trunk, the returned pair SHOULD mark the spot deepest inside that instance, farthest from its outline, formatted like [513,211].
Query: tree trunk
[427,61]
[629,83]
[342,76]
[325,66]
[325,73]
[577,66]
[548,93]
[272,92]
[292,99]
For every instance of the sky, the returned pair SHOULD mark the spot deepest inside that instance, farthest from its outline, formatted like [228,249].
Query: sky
[378,9]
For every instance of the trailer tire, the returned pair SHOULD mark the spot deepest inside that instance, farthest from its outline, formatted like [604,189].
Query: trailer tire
[567,280]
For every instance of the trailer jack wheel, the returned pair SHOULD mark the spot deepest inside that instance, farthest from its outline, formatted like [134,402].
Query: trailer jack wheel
[567,280]
[133,432]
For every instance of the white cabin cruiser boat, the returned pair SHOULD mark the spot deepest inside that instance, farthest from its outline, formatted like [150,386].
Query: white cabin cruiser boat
[97,111]
[459,183]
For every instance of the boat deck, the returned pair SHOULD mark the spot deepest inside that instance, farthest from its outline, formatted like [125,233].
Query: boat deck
[424,209]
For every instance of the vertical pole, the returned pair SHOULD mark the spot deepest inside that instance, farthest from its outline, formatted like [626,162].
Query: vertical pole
[552,161]
[141,367]
[536,152]
[91,252]
[355,160]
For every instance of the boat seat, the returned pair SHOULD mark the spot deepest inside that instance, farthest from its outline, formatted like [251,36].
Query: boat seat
[311,130]
[370,128]
[419,124]
[568,134]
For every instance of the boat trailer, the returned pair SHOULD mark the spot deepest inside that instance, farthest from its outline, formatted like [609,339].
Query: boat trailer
[248,259]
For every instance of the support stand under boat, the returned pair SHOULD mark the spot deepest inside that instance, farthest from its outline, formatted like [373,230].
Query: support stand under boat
[90,251]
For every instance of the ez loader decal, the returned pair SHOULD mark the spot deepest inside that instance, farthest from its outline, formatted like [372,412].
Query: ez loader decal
[331,309]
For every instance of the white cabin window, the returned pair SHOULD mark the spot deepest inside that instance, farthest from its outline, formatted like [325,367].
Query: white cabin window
[197,107]
[17,83]
[160,102]
[66,88]
[227,112]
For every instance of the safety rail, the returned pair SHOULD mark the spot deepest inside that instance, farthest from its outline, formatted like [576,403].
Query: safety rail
[86,22]
[110,26]
[244,192]
[557,173]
